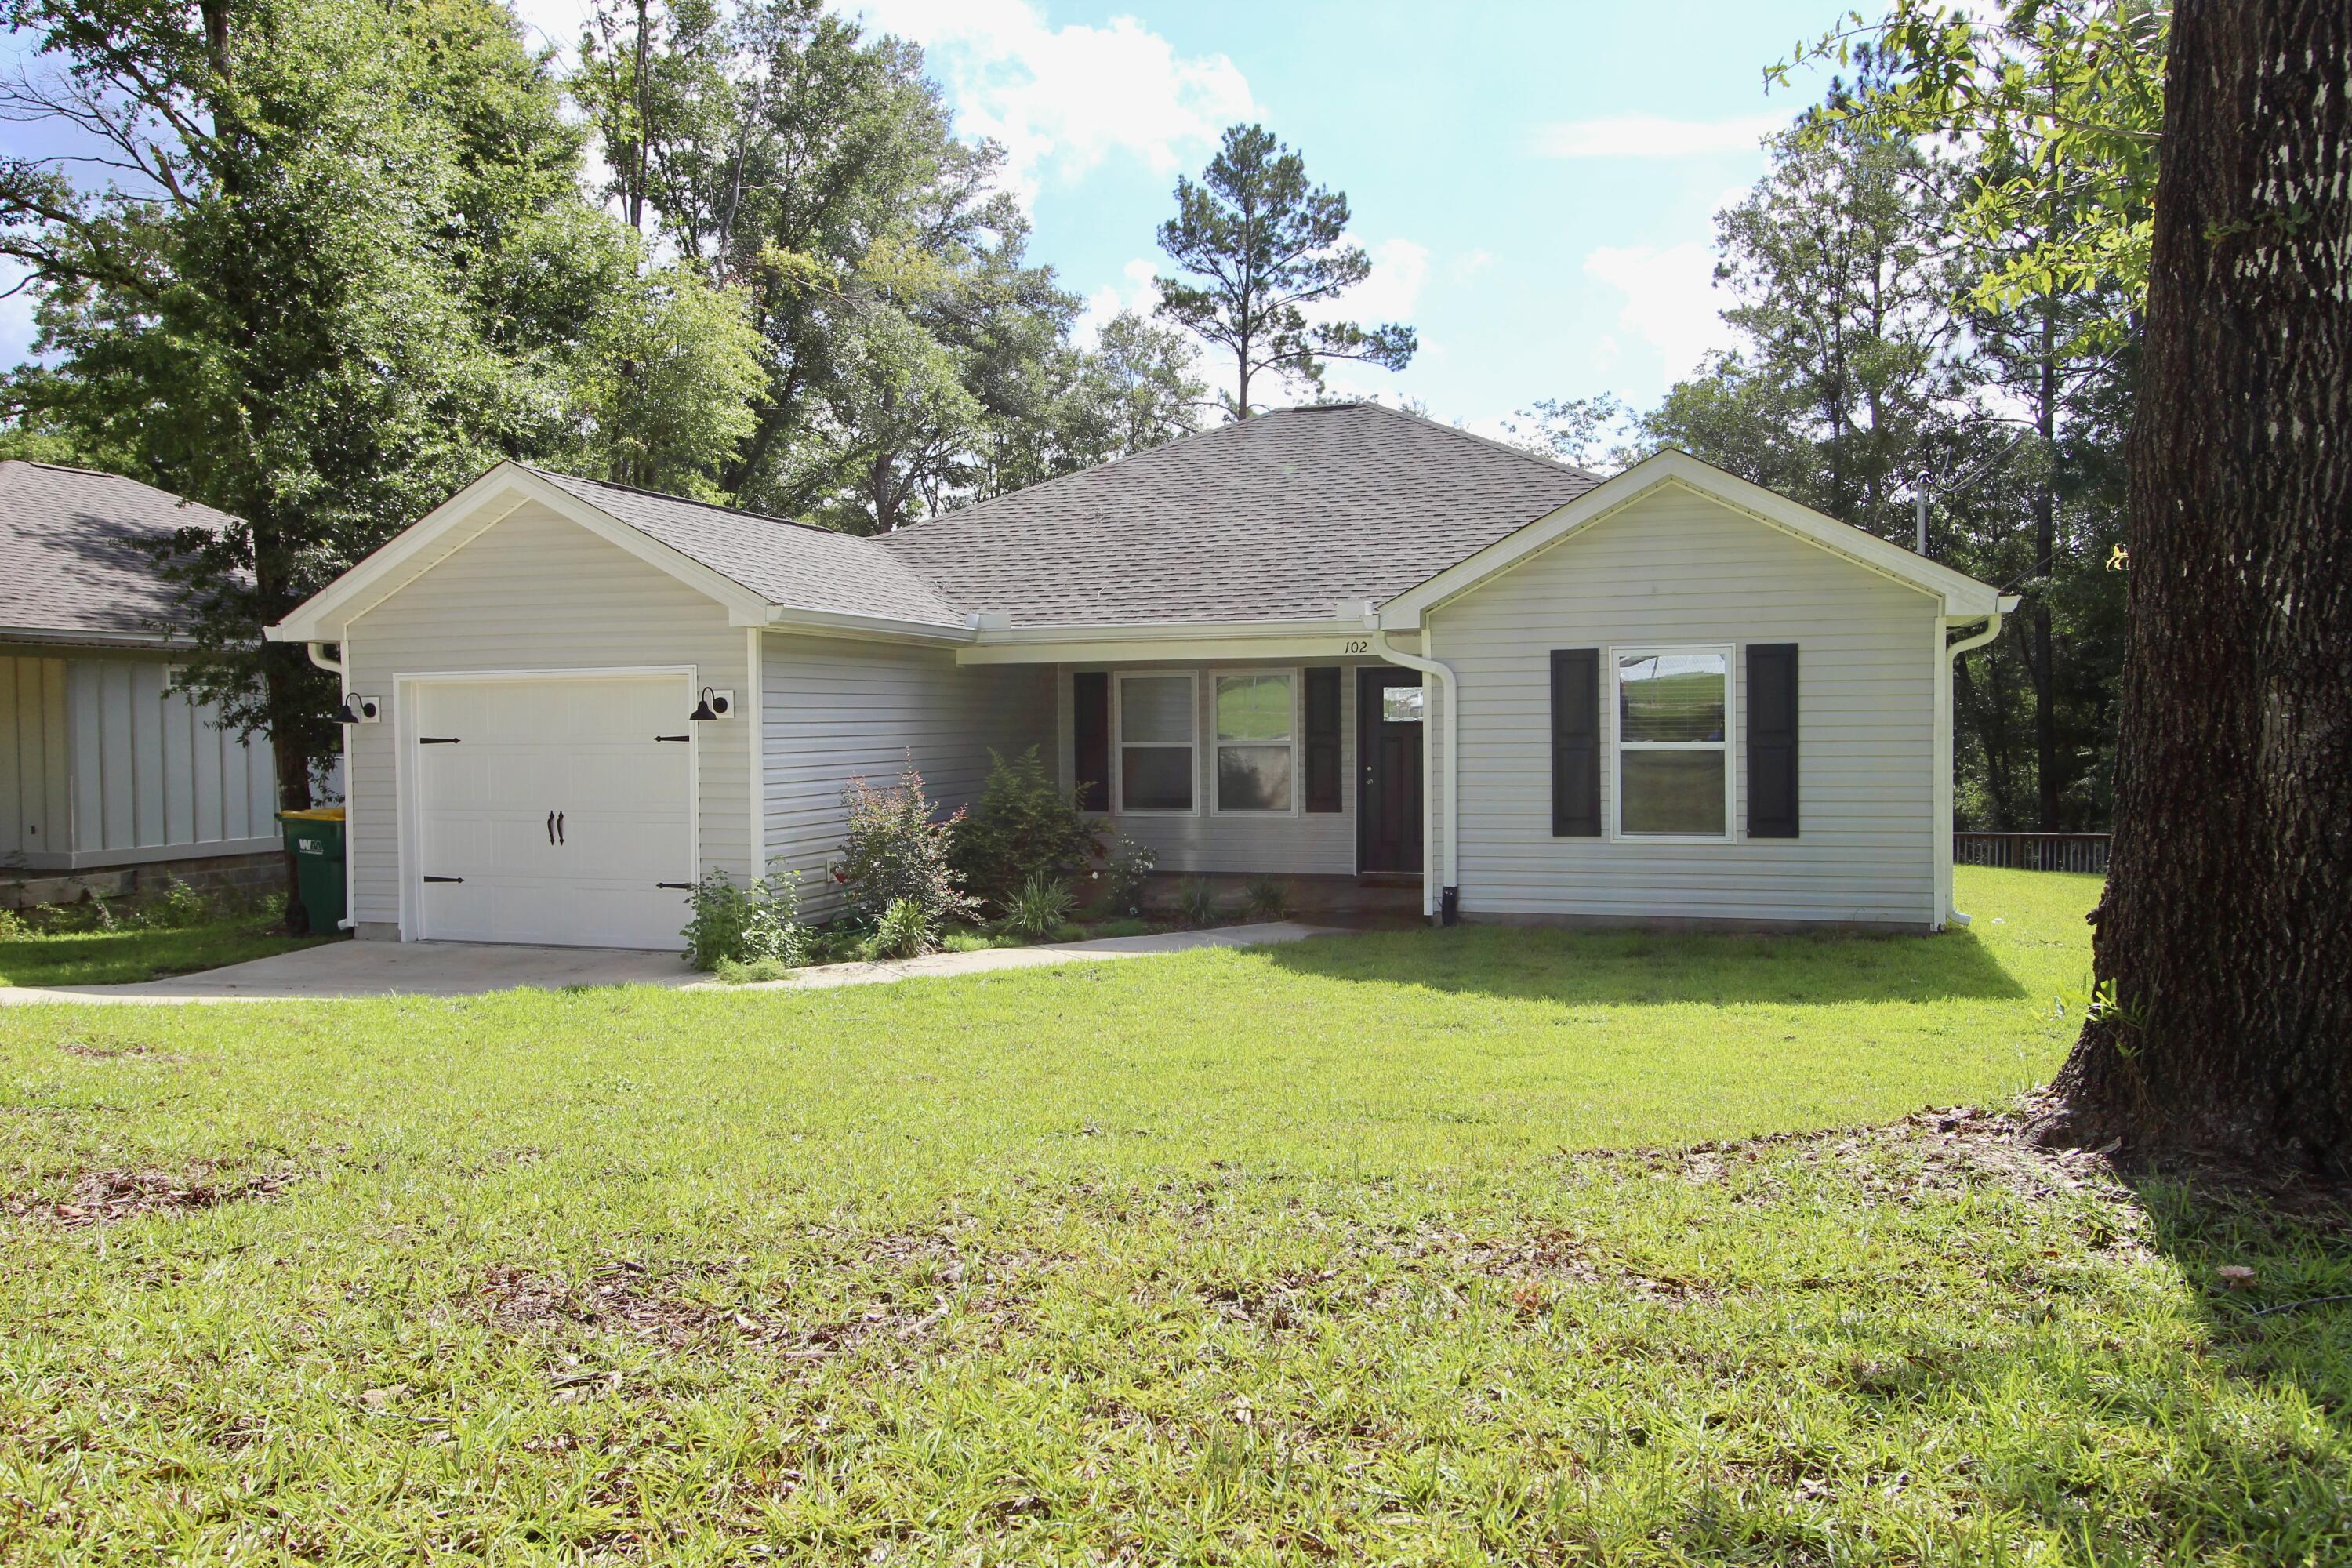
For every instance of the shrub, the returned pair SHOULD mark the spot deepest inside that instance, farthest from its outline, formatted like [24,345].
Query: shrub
[895,853]
[1025,826]
[731,925]
[13,927]
[179,905]
[1127,867]
[1040,908]
[904,930]
[1264,899]
[1196,900]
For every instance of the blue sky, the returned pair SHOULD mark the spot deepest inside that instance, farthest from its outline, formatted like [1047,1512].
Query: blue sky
[1535,183]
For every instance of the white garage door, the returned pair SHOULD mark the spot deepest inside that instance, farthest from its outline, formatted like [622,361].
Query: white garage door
[552,811]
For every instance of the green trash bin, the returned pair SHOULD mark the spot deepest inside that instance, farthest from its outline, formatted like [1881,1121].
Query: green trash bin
[315,839]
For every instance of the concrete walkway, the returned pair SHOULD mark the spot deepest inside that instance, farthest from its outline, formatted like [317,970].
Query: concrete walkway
[353,969]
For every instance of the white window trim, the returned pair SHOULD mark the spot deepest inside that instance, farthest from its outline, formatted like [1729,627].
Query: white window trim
[1118,741]
[1728,745]
[1298,724]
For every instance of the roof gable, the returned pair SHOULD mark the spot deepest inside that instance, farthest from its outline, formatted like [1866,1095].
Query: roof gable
[1960,596]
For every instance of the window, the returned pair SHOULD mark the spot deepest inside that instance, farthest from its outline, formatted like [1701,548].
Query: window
[1674,748]
[1155,743]
[1401,704]
[1257,740]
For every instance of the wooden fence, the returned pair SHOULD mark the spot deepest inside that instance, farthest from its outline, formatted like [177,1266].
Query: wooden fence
[2032,851]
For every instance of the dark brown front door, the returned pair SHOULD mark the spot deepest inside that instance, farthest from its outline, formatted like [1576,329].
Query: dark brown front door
[1388,769]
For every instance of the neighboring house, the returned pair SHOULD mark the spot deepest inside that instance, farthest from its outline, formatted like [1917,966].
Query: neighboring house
[1341,644]
[107,774]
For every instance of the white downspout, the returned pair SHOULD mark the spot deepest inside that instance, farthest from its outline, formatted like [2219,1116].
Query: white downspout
[1952,652]
[334,666]
[1433,886]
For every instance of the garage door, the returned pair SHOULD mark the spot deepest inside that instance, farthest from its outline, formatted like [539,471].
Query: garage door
[553,811]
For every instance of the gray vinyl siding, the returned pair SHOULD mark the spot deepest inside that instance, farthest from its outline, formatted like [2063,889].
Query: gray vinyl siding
[107,766]
[1309,843]
[1675,568]
[537,592]
[839,709]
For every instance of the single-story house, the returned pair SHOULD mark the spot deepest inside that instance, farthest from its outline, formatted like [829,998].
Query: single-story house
[1340,642]
[108,772]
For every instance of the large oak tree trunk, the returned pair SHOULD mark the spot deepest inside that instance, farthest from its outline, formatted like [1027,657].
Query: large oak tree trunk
[2226,931]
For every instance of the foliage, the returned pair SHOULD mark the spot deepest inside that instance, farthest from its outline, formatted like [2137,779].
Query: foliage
[896,852]
[1196,901]
[1262,898]
[2050,1359]
[1267,247]
[1127,867]
[1025,827]
[752,971]
[338,263]
[1041,907]
[731,924]
[13,925]
[178,905]
[906,930]
[2063,98]
[1595,432]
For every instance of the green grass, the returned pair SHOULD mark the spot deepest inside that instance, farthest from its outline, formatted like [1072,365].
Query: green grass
[1305,1253]
[133,953]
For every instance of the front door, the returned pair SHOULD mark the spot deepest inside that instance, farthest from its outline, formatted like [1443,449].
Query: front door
[1388,769]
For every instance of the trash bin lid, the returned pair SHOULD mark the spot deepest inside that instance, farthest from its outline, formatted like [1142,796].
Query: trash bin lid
[316,813]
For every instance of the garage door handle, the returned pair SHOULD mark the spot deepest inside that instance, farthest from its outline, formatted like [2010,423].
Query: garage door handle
[445,878]
[550,827]
[682,887]
[559,828]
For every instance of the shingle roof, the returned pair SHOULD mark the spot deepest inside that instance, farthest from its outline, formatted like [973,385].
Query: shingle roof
[73,555]
[1280,517]
[788,564]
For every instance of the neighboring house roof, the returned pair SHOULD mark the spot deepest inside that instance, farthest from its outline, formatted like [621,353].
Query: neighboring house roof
[1280,517]
[75,557]
[787,563]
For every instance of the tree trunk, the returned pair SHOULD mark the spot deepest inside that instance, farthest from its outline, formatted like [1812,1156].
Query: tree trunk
[2224,944]
[2046,572]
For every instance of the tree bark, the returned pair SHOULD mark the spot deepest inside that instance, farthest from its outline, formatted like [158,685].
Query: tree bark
[2225,942]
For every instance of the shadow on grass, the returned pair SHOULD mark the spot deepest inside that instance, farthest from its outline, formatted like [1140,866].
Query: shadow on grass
[1640,968]
[134,953]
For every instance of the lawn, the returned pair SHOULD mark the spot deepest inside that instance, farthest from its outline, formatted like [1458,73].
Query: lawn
[133,953]
[1455,1247]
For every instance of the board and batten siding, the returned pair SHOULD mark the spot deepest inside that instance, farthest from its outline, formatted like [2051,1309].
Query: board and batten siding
[839,709]
[1300,844]
[108,767]
[1675,568]
[535,592]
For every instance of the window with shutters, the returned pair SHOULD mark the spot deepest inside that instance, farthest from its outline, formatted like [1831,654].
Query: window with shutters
[1671,745]
[1257,740]
[1156,713]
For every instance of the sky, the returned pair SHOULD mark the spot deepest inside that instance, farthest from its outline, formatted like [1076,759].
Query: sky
[1535,183]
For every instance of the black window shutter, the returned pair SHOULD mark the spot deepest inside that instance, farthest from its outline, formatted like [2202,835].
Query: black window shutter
[1772,740]
[1323,760]
[1090,735]
[1576,743]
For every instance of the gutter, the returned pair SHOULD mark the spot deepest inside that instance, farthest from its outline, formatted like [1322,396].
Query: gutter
[334,666]
[1438,893]
[1952,651]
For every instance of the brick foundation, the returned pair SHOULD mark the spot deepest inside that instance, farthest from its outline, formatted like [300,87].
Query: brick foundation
[214,875]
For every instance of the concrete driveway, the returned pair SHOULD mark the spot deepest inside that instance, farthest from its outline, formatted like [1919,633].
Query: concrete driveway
[347,969]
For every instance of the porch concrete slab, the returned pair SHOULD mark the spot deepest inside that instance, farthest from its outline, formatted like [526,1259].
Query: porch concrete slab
[353,969]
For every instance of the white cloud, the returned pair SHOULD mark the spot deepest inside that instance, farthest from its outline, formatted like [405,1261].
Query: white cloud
[1670,300]
[1136,292]
[1400,270]
[1652,136]
[1063,99]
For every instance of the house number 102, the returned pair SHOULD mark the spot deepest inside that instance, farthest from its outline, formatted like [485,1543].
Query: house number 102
[1360,645]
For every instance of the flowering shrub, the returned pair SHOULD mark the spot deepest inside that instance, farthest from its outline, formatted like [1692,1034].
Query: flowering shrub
[895,851]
